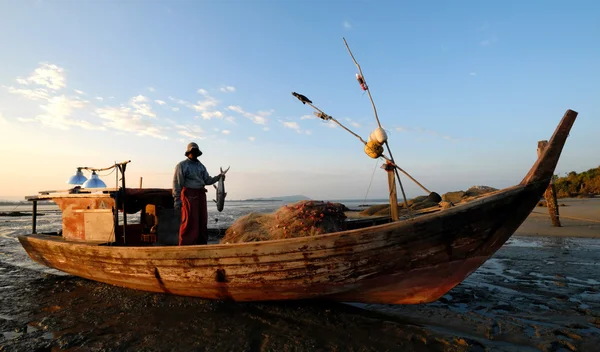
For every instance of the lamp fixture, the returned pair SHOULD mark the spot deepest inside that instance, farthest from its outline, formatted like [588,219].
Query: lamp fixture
[78,178]
[94,182]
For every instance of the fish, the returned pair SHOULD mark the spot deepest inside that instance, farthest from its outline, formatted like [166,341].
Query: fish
[221,194]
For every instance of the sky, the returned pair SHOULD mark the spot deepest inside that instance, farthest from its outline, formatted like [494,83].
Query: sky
[464,89]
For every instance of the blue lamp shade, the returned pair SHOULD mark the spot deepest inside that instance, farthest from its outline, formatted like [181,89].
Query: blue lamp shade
[94,182]
[77,179]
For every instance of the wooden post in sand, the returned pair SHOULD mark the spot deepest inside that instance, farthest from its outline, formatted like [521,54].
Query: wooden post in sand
[141,179]
[550,193]
[389,167]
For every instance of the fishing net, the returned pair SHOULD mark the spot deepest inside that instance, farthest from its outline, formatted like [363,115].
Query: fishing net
[304,218]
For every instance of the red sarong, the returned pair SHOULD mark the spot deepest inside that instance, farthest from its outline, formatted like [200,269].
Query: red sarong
[194,217]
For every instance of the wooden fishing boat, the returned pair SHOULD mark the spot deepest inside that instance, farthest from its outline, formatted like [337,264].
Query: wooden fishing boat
[400,262]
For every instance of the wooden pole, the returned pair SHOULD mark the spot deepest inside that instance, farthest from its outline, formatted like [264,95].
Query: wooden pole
[34,217]
[141,178]
[550,193]
[389,167]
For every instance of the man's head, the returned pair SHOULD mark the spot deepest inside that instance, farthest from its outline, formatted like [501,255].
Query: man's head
[193,150]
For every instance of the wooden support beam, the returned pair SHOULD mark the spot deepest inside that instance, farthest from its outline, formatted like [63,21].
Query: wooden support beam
[550,193]
[390,169]
[34,218]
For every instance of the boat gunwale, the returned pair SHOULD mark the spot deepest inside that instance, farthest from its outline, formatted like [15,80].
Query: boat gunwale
[391,226]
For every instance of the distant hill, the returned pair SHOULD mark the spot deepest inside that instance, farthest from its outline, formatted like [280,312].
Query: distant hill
[293,198]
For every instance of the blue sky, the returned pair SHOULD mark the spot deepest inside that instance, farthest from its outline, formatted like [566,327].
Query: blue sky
[465,90]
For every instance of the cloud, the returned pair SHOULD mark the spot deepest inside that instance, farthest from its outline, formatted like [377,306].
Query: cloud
[230,119]
[472,73]
[32,94]
[202,91]
[256,118]
[47,75]
[80,92]
[126,119]
[308,132]
[252,139]
[99,98]
[209,115]
[141,106]
[227,89]
[151,89]
[265,113]
[266,129]
[291,124]
[190,135]
[355,124]
[57,114]
[203,105]
[3,121]
[159,102]
[347,24]
[226,131]
[175,109]
[308,117]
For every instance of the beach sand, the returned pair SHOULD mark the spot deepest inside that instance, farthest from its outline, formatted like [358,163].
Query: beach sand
[579,217]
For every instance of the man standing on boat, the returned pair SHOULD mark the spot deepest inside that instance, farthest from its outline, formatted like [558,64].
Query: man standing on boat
[190,196]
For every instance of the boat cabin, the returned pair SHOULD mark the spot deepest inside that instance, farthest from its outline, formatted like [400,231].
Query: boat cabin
[100,215]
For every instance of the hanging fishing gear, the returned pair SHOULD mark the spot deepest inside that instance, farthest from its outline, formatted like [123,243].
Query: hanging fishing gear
[374,146]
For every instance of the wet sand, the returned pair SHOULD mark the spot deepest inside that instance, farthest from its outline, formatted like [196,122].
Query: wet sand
[536,293]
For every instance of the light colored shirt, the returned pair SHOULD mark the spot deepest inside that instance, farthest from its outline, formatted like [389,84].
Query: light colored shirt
[190,174]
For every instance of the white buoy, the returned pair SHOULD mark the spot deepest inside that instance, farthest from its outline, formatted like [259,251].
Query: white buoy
[378,135]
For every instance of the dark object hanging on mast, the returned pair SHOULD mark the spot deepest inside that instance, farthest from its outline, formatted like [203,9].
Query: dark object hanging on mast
[302,98]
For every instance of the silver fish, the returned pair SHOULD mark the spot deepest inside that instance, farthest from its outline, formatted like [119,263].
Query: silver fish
[221,191]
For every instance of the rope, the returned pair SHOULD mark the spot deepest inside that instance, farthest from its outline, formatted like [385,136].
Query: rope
[370,182]
[366,87]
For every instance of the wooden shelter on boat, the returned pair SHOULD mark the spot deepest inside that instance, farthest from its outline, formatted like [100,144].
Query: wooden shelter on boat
[410,261]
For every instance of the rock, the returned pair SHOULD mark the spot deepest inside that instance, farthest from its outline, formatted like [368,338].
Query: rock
[446,205]
[453,197]
[476,191]
[423,205]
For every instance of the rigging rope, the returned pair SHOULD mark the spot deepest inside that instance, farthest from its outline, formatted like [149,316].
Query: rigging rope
[370,182]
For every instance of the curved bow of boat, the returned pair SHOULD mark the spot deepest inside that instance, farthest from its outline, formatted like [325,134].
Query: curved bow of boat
[543,169]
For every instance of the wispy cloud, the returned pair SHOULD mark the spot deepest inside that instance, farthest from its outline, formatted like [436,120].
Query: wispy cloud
[3,121]
[151,89]
[207,115]
[291,124]
[141,106]
[126,119]
[226,131]
[175,109]
[32,94]
[80,92]
[251,138]
[47,75]
[347,24]
[227,89]
[256,118]
[99,98]
[308,117]
[472,73]
[159,102]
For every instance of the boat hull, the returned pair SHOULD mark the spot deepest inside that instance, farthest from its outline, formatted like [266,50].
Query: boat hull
[407,262]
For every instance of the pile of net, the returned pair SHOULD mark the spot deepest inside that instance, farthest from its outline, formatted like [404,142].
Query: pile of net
[304,218]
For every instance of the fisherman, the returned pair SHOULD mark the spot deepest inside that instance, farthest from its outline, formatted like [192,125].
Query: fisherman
[190,196]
